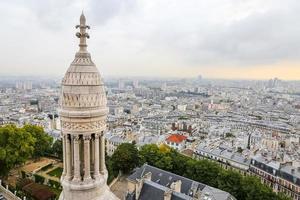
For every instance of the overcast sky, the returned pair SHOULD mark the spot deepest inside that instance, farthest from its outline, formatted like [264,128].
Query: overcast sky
[251,39]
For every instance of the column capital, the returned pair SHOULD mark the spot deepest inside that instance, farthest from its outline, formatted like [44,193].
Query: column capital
[87,137]
[102,133]
[97,135]
[64,136]
[76,138]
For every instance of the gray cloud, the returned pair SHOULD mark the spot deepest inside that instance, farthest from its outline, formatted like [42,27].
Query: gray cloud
[128,34]
[103,10]
[259,38]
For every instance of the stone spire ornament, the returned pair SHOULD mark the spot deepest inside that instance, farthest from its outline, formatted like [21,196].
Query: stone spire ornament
[82,34]
[83,114]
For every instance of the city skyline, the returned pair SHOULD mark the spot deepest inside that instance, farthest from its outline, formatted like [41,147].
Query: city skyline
[150,100]
[228,40]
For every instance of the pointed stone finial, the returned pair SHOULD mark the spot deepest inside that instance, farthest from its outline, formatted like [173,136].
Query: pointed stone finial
[82,19]
[82,35]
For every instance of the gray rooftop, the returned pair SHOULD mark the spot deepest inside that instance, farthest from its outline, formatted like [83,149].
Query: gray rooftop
[161,181]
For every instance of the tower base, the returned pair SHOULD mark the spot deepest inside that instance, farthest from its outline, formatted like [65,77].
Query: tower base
[94,189]
[99,193]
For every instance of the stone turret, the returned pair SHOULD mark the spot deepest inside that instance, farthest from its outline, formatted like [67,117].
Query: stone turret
[83,113]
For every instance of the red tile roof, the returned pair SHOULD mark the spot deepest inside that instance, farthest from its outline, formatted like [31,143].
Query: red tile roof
[176,138]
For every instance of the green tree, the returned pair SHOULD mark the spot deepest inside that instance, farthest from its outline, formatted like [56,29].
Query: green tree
[43,140]
[112,173]
[240,150]
[57,149]
[230,181]
[179,162]
[208,172]
[190,171]
[16,146]
[252,188]
[150,154]
[165,163]
[125,158]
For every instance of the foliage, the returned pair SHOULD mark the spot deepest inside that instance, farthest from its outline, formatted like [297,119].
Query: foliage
[45,168]
[39,179]
[125,158]
[57,149]
[57,172]
[16,146]
[19,144]
[240,150]
[54,184]
[149,154]
[208,172]
[183,118]
[112,173]
[23,174]
[229,135]
[43,140]
[164,148]
[38,191]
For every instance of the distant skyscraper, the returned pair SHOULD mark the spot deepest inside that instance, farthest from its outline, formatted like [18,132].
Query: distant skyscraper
[83,122]
[135,83]
[164,86]
[121,84]
[24,85]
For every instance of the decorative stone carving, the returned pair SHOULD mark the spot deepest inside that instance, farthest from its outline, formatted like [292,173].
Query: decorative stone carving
[83,100]
[83,113]
[76,138]
[87,138]
[92,126]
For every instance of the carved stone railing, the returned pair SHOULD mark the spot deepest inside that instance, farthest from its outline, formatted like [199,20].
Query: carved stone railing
[8,194]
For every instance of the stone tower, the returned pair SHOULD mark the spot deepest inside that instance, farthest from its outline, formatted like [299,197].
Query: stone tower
[83,114]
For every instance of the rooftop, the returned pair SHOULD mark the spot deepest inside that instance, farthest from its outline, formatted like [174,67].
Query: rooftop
[177,138]
[161,181]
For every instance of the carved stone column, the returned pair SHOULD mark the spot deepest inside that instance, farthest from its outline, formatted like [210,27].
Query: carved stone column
[87,170]
[72,151]
[102,153]
[63,140]
[77,176]
[92,153]
[68,158]
[96,158]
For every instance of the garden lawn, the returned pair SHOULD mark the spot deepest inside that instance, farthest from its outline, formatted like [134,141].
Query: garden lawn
[56,172]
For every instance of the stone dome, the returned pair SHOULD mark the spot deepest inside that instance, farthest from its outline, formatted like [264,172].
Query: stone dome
[83,92]
[82,86]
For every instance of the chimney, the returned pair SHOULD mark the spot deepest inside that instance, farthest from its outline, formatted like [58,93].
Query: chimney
[147,176]
[176,186]
[138,188]
[139,184]
[293,171]
[207,196]
[168,195]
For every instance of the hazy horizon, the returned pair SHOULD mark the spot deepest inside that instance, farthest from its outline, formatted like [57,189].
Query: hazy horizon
[237,40]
